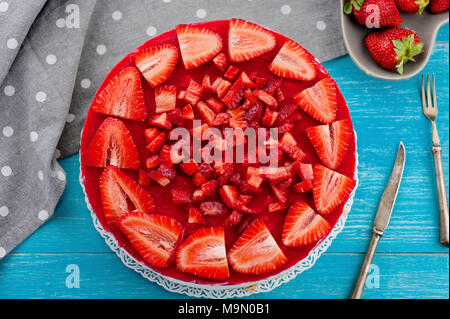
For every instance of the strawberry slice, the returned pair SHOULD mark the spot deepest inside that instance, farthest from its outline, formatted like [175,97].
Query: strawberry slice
[221,86]
[256,251]
[188,112]
[269,117]
[280,95]
[157,63]
[165,98]
[215,105]
[276,174]
[197,45]
[330,188]
[289,145]
[155,237]
[266,98]
[221,62]
[247,41]
[305,171]
[207,189]
[212,208]
[248,83]
[189,168]
[233,219]
[229,195]
[319,101]
[180,197]
[231,73]
[206,83]
[276,207]
[234,95]
[159,178]
[331,141]
[207,114]
[203,254]
[113,144]
[195,216]
[237,114]
[303,226]
[286,112]
[162,121]
[151,134]
[280,193]
[198,178]
[303,187]
[122,97]
[222,118]
[293,62]
[152,162]
[157,142]
[115,188]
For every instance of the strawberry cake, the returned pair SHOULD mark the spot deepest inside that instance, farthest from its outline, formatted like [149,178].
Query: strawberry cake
[218,222]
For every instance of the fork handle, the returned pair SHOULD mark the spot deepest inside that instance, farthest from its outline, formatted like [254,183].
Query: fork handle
[442,195]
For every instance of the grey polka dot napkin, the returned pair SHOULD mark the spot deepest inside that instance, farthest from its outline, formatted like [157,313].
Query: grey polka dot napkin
[54,55]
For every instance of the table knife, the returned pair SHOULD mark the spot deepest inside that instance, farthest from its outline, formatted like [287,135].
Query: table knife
[382,218]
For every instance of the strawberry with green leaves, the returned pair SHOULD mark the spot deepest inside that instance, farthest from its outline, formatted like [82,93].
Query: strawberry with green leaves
[394,47]
[363,12]
[412,6]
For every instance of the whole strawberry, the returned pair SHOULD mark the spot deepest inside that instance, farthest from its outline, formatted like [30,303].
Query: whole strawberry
[412,6]
[392,48]
[438,6]
[364,12]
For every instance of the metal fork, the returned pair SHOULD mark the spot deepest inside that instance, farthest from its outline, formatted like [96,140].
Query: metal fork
[430,111]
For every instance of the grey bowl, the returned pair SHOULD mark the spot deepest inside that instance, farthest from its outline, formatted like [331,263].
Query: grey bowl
[426,26]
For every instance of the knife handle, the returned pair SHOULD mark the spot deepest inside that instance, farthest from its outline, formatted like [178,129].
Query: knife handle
[442,195]
[361,282]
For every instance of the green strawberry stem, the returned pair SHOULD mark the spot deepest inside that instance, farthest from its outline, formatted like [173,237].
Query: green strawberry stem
[422,5]
[406,50]
[357,4]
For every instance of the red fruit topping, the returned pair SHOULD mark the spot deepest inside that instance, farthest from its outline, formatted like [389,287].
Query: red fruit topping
[151,134]
[276,207]
[165,98]
[276,174]
[330,189]
[266,98]
[197,45]
[152,162]
[222,118]
[198,179]
[113,144]
[215,104]
[248,83]
[280,95]
[303,186]
[293,62]
[234,95]
[195,216]
[269,117]
[180,197]
[289,145]
[157,63]
[231,73]
[238,124]
[181,94]
[256,251]
[212,208]
[305,171]
[188,112]
[229,195]
[155,237]
[279,193]
[221,62]
[161,121]
[319,101]
[159,178]
[206,83]
[303,226]
[285,112]
[236,179]
[207,189]
[167,171]
[189,168]
[157,143]
[144,178]
[115,188]
[272,86]
[233,219]
[331,141]
[206,113]
[247,41]
[122,97]
[221,87]
[203,254]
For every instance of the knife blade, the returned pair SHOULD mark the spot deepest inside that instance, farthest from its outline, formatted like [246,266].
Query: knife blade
[389,196]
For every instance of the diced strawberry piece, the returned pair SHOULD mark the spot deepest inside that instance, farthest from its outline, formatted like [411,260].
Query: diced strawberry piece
[207,114]
[155,237]
[188,112]
[305,171]
[266,98]
[221,62]
[248,94]
[161,121]
[303,226]
[238,124]
[221,87]
[233,219]
[231,72]
[115,188]
[285,112]
[330,189]
[319,101]
[191,98]
[272,86]
[331,141]
[269,117]
[289,145]
[144,178]
[176,117]
[167,171]
[151,134]
[181,95]
[285,127]
[280,95]
[251,171]
[229,195]
[276,207]
[161,180]
[165,98]
[236,179]
[197,132]
[113,144]
[293,62]
[260,81]
[152,162]
[212,208]
[222,118]
[180,197]
[215,105]
[195,88]
[209,188]
[206,242]
[164,156]
[197,45]
[234,95]
[122,97]
[237,114]
[189,168]
[276,174]
[279,193]
[303,187]
[256,241]
[157,143]
[157,63]
[206,83]
[255,181]
[248,83]
[195,216]
[247,40]
[247,104]
[198,179]
[294,118]
[246,188]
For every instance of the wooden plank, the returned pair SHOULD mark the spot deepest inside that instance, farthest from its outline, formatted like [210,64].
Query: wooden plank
[104,276]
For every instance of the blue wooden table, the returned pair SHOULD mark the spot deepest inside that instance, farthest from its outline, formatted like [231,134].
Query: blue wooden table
[410,261]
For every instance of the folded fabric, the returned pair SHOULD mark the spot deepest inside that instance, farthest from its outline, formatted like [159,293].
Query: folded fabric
[54,54]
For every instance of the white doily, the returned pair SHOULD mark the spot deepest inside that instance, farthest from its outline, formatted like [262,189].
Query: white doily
[231,291]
